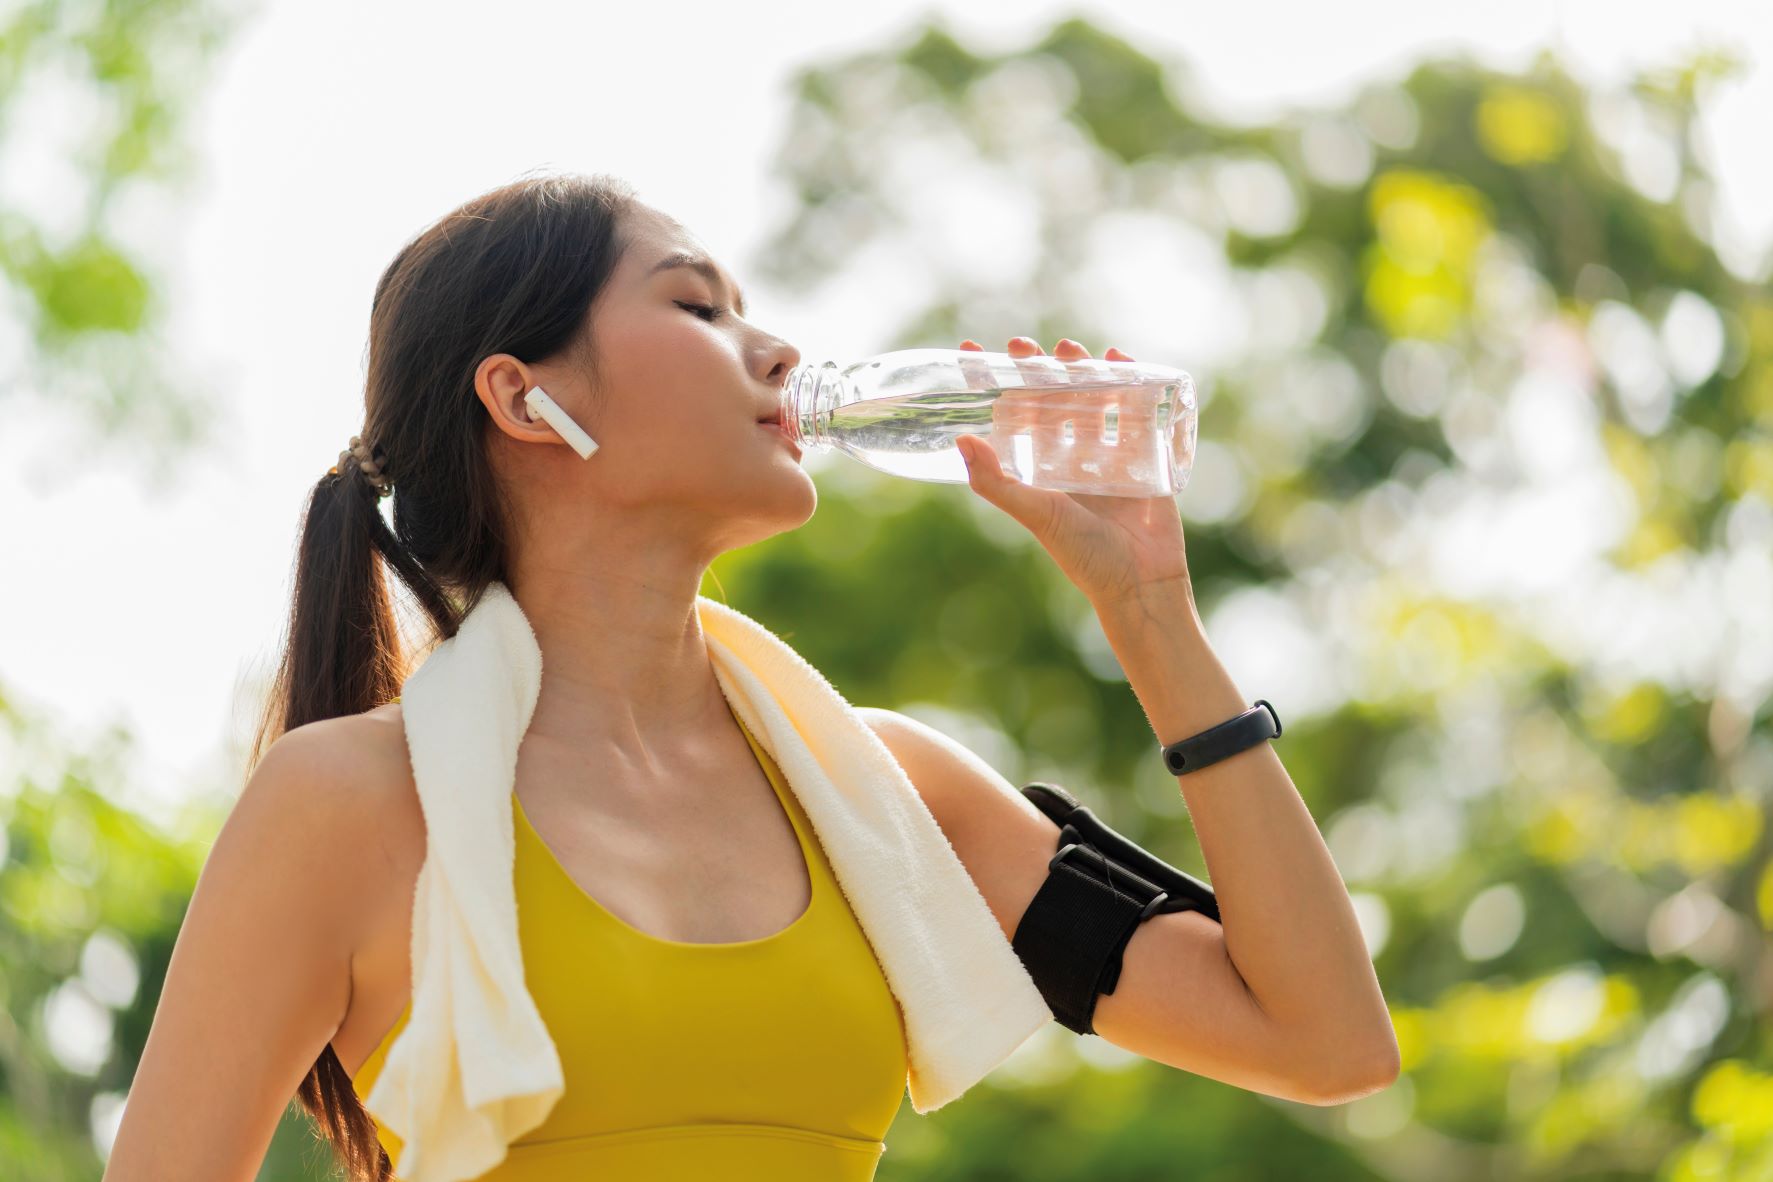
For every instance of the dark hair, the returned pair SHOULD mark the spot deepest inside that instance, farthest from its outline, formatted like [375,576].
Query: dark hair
[515,270]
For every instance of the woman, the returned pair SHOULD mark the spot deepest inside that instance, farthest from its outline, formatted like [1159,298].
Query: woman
[292,972]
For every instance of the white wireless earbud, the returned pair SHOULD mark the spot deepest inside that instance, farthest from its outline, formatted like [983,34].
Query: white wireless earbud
[546,409]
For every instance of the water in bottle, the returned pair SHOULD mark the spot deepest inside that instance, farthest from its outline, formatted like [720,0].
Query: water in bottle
[1118,428]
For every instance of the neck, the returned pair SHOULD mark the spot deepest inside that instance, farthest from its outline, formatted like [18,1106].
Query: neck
[625,664]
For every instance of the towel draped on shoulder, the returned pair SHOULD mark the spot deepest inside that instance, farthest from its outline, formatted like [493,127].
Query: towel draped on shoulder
[475,1067]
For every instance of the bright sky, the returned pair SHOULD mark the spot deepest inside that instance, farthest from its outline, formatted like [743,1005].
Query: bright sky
[333,130]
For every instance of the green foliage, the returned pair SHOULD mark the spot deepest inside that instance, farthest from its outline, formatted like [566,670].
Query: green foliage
[1560,843]
[87,291]
[1558,838]
[91,891]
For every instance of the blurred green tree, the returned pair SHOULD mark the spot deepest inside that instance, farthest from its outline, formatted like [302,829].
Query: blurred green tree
[96,99]
[1483,495]
[1485,491]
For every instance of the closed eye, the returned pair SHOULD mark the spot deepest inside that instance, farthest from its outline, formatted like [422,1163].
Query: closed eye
[714,311]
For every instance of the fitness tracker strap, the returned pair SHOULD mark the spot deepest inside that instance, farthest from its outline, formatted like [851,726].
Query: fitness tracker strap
[1254,725]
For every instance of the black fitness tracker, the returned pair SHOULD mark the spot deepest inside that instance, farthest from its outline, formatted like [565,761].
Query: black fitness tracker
[1254,725]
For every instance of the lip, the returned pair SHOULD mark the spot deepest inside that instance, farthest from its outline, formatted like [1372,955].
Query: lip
[773,425]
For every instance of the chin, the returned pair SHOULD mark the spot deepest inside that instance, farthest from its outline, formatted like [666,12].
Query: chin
[793,513]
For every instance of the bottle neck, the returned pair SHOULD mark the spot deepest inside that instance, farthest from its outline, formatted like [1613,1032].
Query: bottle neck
[809,396]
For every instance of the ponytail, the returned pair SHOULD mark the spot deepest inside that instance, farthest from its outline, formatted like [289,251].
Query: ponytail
[513,271]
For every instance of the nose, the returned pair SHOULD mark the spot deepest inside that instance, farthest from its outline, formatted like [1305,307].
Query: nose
[778,359]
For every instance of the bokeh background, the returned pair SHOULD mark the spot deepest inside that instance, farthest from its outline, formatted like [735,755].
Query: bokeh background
[1478,307]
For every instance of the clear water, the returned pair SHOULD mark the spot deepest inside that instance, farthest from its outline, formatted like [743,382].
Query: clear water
[1114,439]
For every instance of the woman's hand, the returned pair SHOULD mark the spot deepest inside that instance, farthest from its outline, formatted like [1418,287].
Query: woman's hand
[1113,548]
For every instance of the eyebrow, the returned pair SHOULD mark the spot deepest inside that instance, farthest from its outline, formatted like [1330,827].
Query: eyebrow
[703,265]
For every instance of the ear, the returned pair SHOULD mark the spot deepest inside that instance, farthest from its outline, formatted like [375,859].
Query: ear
[501,383]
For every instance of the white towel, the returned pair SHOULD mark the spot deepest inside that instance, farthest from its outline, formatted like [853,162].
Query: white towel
[475,1067]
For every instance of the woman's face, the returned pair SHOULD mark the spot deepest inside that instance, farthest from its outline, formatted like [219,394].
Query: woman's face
[684,379]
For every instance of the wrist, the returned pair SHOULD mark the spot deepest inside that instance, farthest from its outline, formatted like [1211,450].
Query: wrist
[1162,647]
[1164,606]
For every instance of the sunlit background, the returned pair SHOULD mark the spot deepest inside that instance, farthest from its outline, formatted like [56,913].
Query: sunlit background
[1478,309]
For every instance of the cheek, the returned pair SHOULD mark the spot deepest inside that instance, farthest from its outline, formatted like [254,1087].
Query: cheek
[675,386]
[682,353]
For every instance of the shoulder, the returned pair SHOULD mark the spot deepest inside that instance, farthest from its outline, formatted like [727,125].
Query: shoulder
[930,758]
[347,782]
[1001,838]
[292,885]
[357,760]
[344,739]
[948,774]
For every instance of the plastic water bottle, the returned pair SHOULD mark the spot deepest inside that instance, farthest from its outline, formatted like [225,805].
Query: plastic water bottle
[1118,428]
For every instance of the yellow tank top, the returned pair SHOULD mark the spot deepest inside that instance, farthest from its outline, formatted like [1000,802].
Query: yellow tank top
[780,1058]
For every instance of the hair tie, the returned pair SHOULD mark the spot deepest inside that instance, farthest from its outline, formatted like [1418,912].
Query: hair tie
[360,456]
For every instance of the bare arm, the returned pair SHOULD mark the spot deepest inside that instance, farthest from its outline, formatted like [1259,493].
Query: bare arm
[1180,1001]
[1289,926]
[260,974]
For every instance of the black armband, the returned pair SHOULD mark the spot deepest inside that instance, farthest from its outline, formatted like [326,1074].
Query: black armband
[1100,887]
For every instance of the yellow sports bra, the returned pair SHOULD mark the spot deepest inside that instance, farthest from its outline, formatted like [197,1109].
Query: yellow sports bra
[781,1058]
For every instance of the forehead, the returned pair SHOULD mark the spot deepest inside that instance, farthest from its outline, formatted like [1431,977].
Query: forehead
[652,234]
[659,243]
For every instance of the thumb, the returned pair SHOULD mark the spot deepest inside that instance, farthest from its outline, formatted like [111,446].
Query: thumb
[987,477]
[984,469]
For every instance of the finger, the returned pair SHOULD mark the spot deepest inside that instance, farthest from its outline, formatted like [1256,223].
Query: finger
[1134,426]
[1031,507]
[1087,415]
[1069,348]
[1131,419]
[1013,412]
[1037,416]
[976,373]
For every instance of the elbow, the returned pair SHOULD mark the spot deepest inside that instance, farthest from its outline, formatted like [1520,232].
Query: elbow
[1359,1078]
